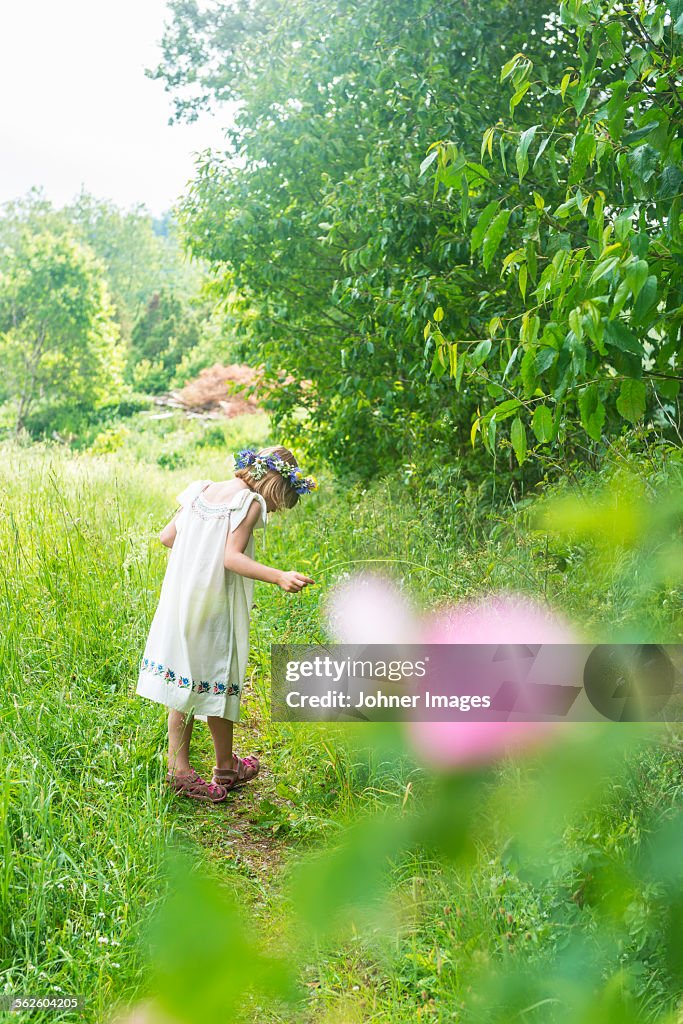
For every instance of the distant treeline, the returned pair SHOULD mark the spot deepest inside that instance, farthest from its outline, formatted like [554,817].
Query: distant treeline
[99,307]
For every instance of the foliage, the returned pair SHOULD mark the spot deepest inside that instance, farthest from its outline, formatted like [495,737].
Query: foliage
[152,302]
[368,256]
[574,201]
[569,880]
[317,214]
[58,339]
[142,256]
[218,342]
[163,333]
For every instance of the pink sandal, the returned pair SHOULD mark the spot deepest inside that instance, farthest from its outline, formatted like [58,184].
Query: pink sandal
[196,788]
[231,778]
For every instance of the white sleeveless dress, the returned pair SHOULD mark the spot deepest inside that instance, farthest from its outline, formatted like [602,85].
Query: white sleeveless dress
[195,658]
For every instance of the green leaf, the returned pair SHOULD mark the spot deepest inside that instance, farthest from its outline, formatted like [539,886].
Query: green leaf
[564,209]
[522,151]
[483,221]
[583,153]
[603,268]
[528,332]
[494,237]
[576,322]
[541,150]
[644,162]
[510,66]
[491,433]
[542,424]
[501,146]
[619,301]
[518,439]
[579,98]
[670,182]
[487,142]
[438,314]
[592,411]
[438,367]
[616,109]
[522,279]
[505,409]
[519,96]
[631,400]
[668,388]
[453,359]
[527,372]
[619,336]
[674,221]
[545,357]
[480,352]
[459,371]
[465,200]
[640,133]
[646,300]
[428,161]
[636,276]
[511,362]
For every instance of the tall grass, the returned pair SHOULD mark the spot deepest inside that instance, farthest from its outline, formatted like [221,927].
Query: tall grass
[85,820]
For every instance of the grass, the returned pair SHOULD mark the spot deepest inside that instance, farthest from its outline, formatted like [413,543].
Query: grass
[85,821]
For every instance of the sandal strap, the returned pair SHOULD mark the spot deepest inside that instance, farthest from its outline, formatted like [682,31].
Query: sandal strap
[195,786]
[246,768]
[226,777]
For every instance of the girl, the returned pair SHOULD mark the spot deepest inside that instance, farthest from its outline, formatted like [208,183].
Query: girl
[195,658]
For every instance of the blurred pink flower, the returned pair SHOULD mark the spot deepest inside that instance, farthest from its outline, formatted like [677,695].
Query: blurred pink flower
[367,608]
[502,618]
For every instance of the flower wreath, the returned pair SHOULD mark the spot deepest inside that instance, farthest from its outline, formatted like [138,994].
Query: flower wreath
[260,464]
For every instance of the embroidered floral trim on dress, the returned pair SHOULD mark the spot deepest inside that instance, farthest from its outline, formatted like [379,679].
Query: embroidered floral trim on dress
[198,686]
[206,511]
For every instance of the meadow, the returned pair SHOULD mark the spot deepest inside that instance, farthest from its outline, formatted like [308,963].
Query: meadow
[462,924]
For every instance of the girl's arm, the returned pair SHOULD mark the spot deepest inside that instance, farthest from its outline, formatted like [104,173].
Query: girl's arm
[169,533]
[237,561]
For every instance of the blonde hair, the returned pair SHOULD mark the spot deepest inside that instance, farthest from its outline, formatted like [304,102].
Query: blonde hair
[272,486]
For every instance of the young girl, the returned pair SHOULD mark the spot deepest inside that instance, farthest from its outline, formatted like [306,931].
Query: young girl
[195,659]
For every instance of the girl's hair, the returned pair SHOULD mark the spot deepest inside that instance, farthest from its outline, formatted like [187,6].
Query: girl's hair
[272,484]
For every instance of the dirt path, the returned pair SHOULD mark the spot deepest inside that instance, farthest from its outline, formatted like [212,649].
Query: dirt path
[247,833]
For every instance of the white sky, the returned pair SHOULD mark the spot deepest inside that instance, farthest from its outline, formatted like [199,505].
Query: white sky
[77,110]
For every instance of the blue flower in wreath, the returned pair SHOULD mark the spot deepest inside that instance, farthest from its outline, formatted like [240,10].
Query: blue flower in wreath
[184,681]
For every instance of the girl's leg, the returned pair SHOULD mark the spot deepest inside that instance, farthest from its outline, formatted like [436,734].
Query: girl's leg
[179,734]
[221,733]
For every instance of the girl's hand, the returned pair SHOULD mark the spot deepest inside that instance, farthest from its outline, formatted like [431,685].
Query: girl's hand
[293,582]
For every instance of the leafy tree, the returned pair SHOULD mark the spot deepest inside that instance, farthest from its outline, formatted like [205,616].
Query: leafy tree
[142,256]
[319,217]
[430,251]
[165,332]
[59,343]
[575,225]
